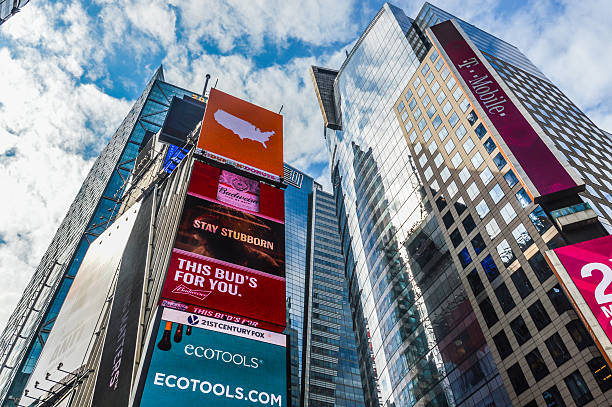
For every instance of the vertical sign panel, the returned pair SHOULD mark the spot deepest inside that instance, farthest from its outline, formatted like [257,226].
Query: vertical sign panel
[199,361]
[585,270]
[544,171]
[243,133]
[229,252]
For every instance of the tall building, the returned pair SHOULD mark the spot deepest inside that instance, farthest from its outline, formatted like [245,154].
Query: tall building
[92,210]
[9,8]
[446,211]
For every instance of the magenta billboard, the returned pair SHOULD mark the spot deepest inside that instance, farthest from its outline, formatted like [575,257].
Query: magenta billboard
[585,270]
[544,171]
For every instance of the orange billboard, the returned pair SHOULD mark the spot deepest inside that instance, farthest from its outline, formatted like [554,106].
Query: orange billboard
[242,134]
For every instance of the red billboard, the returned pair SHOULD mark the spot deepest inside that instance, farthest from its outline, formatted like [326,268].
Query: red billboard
[243,133]
[518,140]
[229,251]
[585,271]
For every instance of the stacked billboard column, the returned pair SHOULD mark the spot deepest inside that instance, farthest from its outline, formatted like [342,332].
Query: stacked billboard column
[217,338]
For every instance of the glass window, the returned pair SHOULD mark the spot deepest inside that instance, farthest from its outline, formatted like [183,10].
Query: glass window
[559,299]
[522,237]
[471,117]
[425,69]
[601,371]
[460,206]
[503,345]
[522,283]
[449,147]
[468,224]
[464,257]
[418,147]
[448,219]
[478,243]
[464,105]
[511,178]
[427,136]
[443,133]
[537,365]
[579,334]
[456,237]
[540,267]
[473,191]
[505,298]
[490,268]
[578,388]
[508,213]
[440,98]
[452,189]
[520,330]
[430,77]
[441,203]
[517,379]
[492,228]
[453,119]
[557,349]
[540,220]
[422,124]
[468,146]
[499,161]
[553,398]
[408,124]
[486,175]
[451,83]
[416,82]
[432,147]
[408,94]
[475,282]
[426,101]
[496,193]
[482,209]
[505,253]
[428,173]
[488,312]
[480,131]
[439,64]
[438,160]
[489,145]
[433,56]
[431,111]
[417,113]
[437,121]
[460,132]
[412,104]
[413,136]
[445,174]
[445,72]
[464,175]
[401,107]
[477,160]
[420,91]
[539,315]
[457,93]
[422,160]
[447,108]
[434,87]
[457,160]
[523,198]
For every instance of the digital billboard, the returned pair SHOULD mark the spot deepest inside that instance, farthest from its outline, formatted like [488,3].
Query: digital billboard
[585,271]
[182,118]
[540,170]
[242,132]
[200,361]
[229,251]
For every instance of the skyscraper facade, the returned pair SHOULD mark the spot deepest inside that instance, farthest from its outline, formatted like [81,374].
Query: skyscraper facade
[9,8]
[92,210]
[443,235]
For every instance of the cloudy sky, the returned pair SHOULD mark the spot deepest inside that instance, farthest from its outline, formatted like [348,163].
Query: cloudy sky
[70,70]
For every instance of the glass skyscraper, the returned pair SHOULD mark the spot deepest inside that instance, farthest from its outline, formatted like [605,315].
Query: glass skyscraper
[453,301]
[9,8]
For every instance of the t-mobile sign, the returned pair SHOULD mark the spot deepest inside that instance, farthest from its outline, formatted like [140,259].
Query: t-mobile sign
[544,171]
[585,270]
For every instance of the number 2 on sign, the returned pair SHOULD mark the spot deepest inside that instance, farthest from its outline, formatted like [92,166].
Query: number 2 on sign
[600,291]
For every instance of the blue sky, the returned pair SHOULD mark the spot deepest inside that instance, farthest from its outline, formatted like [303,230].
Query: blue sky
[72,69]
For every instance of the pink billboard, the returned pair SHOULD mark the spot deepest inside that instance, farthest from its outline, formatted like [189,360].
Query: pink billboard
[585,270]
[544,171]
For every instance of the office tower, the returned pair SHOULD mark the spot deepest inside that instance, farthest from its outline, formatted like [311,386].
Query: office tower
[324,368]
[331,369]
[445,216]
[93,208]
[9,8]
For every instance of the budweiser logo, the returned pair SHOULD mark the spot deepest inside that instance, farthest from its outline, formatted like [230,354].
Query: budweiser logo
[199,294]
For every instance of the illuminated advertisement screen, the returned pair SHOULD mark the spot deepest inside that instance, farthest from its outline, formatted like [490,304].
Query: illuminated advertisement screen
[174,156]
[520,142]
[200,361]
[585,271]
[229,252]
[240,131]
